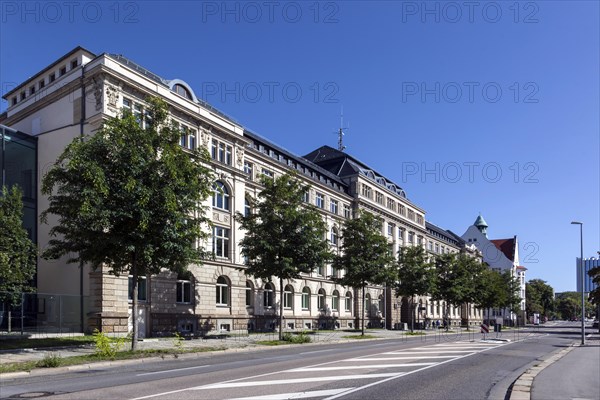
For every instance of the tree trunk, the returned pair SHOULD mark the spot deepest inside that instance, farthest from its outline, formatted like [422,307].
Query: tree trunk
[364,310]
[411,310]
[134,304]
[281,309]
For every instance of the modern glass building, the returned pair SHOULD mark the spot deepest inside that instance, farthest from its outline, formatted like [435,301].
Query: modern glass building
[588,264]
[18,160]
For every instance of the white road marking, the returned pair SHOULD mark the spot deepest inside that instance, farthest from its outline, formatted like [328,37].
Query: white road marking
[296,380]
[297,395]
[360,367]
[430,352]
[172,370]
[317,351]
[399,358]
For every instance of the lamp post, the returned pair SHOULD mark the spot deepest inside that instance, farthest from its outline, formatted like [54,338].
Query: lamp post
[582,275]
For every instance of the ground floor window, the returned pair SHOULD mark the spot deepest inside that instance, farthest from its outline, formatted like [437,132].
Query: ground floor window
[222,291]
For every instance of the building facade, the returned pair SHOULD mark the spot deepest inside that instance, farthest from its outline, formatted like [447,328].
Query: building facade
[74,95]
[588,264]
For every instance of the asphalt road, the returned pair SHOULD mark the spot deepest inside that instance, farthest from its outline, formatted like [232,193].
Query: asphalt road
[447,368]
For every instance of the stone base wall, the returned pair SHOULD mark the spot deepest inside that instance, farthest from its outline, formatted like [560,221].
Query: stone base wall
[109,323]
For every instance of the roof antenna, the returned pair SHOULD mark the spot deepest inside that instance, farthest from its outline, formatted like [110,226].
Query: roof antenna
[340,133]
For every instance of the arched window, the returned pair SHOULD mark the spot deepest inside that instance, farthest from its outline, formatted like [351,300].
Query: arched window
[249,294]
[335,300]
[288,297]
[305,298]
[334,236]
[269,295]
[349,301]
[182,91]
[220,196]
[321,297]
[381,304]
[222,291]
[368,304]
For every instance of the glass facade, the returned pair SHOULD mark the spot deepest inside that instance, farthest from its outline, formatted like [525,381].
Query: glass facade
[18,160]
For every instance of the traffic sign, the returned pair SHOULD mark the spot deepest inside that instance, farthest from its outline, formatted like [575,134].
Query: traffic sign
[485,328]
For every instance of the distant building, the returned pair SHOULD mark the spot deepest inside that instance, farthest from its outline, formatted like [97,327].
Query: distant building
[588,264]
[501,255]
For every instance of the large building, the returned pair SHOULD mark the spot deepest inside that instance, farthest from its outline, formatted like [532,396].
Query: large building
[588,264]
[74,95]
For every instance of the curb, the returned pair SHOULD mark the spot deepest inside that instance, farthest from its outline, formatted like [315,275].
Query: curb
[521,388]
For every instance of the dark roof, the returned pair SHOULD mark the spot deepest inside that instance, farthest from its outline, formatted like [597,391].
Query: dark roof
[300,161]
[506,246]
[343,165]
[448,235]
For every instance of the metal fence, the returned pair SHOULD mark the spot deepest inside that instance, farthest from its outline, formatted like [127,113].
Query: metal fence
[38,313]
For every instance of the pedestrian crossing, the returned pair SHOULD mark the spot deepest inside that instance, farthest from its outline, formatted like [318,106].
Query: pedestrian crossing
[333,379]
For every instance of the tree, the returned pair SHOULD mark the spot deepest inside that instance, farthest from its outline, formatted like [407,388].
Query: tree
[285,237]
[365,255]
[130,198]
[539,297]
[490,290]
[512,287]
[414,275]
[594,295]
[456,277]
[17,252]
[568,305]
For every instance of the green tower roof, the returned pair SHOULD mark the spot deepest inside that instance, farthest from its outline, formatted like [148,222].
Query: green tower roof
[480,222]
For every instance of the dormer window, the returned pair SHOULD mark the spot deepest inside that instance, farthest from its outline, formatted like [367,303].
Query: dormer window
[23,95]
[41,84]
[73,64]
[14,100]
[31,90]
[52,77]
[62,70]
[182,91]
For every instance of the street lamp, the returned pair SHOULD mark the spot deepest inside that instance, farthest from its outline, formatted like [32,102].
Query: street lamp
[582,273]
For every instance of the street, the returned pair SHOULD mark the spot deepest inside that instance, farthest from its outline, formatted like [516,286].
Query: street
[451,367]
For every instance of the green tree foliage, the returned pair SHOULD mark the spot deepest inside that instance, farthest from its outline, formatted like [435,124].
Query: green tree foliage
[568,305]
[539,297]
[512,287]
[457,277]
[17,252]
[129,198]
[365,255]
[284,237]
[414,275]
[491,290]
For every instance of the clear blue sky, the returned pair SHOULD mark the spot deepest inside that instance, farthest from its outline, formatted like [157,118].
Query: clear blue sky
[500,103]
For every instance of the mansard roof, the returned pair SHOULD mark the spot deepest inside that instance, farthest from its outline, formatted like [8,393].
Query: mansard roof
[344,165]
[300,164]
[444,234]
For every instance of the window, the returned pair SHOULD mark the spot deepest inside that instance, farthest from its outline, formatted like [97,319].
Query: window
[320,200]
[136,109]
[321,299]
[221,242]
[249,290]
[335,300]
[41,84]
[391,204]
[268,173]
[192,139]
[411,237]
[430,247]
[306,197]
[269,295]
[346,211]
[437,248]
[182,91]
[14,100]
[305,298]
[367,304]
[23,95]
[334,236]
[419,219]
[411,215]
[220,196]
[184,292]
[333,206]
[142,288]
[249,169]
[222,291]
[348,301]
[401,235]
[402,210]
[320,269]
[221,152]
[52,77]
[247,207]
[420,240]
[31,90]
[288,297]
[62,70]
[390,230]
[366,191]
[379,197]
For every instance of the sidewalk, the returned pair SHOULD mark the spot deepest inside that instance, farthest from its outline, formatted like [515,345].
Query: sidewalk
[571,373]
